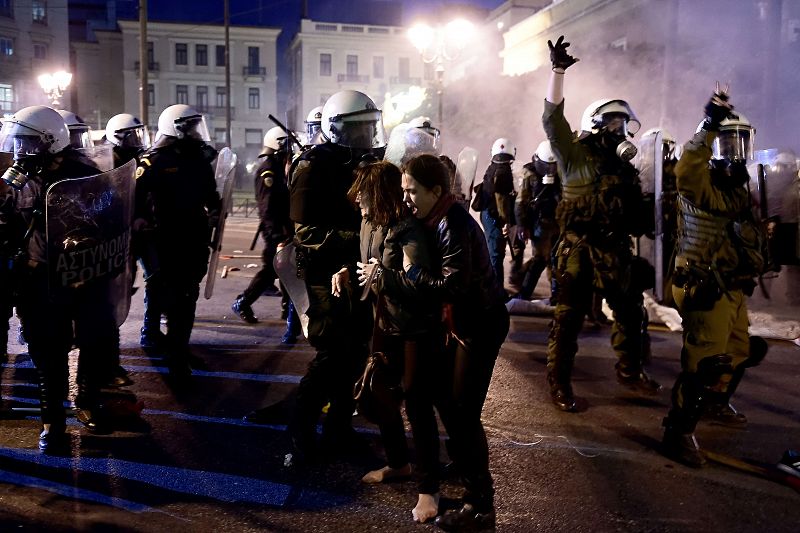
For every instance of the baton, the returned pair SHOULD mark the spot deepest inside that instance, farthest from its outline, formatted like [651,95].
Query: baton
[289,132]
[255,238]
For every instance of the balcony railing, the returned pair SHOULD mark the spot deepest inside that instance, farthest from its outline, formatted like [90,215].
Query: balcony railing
[404,80]
[355,78]
[152,66]
[251,70]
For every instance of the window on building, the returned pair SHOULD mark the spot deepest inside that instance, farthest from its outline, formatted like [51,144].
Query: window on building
[377,67]
[7,8]
[352,65]
[181,54]
[151,95]
[181,94]
[253,137]
[324,64]
[403,68]
[6,98]
[220,55]
[39,11]
[253,58]
[221,135]
[201,94]
[201,55]
[222,97]
[40,50]
[254,98]
[6,46]
[151,53]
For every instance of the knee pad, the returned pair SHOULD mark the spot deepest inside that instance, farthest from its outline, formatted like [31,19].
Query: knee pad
[710,369]
[758,351]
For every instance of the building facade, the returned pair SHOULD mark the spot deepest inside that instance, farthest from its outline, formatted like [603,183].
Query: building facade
[186,65]
[329,57]
[33,41]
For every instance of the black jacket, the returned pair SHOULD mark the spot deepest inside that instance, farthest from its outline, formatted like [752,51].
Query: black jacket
[272,196]
[464,277]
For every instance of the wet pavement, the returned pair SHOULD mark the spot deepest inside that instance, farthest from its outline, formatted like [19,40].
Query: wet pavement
[189,462]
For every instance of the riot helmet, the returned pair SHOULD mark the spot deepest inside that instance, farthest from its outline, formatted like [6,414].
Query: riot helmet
[127,131]
[503,151]
[80,134]
[30,135]
[424,124]
[350,118]
[545,162]
[614,118]
[314,125]
[669,148]
[735,139]
[274,140]
[183,122]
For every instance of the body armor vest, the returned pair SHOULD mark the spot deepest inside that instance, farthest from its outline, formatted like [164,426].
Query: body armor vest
[700,235]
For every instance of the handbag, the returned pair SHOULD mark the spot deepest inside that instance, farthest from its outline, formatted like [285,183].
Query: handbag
[376,392]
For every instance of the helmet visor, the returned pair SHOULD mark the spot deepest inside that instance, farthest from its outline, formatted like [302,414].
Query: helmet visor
[20,140]
[734,144]
[361,129]
[192,127]
[312,128]
[134,137]
[79,137]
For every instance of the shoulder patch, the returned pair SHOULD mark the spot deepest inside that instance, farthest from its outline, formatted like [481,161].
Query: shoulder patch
[145,161]
[268,181]
[139,172]
[267,173]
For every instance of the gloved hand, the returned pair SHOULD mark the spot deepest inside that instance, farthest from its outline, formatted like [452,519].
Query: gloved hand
[559,56]
[717,109]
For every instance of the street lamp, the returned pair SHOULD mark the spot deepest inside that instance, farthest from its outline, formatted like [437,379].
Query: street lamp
[440,44]
[54,85]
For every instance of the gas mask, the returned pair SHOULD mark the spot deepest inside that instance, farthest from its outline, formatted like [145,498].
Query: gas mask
[617,136]
[546,170]
[17,175]
[626,150]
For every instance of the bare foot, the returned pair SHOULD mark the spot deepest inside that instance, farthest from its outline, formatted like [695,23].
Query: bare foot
[386,474]
[427,507]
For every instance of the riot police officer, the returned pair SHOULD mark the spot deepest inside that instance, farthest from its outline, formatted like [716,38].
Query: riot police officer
[327,229]
[313,126]
[177,206]
[272,196]
[601,207]
[128,136]
[38,139]
[497,202]
[536,213]
[80,135]
[720,249]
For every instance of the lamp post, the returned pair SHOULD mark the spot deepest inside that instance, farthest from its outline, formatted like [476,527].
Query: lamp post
[439,44]
[54,86]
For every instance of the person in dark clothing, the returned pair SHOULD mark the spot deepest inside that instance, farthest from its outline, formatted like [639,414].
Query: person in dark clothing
[53,317]
[327,241]
[128,136]
[477,323]
[536,213]
[601,207]
[177,207]
[272,195]
[408,328]
[497,215]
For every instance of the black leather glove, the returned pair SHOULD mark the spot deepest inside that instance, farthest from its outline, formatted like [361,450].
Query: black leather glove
[559,56]
[717,109]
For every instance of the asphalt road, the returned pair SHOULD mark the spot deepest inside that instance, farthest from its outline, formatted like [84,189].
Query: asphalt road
[190,463]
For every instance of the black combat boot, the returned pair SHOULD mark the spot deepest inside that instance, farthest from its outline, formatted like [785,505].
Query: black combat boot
[468,518]
[681,447]
[679,443]
[719,411]
[638,382]
[561,393]
[243,310]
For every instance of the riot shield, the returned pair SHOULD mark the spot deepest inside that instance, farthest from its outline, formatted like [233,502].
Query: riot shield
[466,168]
[285,264]
[88,228]
[406,141]
[101,155]
[650,162]
[775,187]
[226,165]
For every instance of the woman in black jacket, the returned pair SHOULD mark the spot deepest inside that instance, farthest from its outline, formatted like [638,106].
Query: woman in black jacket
[477,322]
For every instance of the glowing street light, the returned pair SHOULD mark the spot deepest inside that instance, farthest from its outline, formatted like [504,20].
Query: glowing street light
[54,85]
[440,44]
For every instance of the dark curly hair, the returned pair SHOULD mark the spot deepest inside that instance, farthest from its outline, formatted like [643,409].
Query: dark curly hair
[380,184]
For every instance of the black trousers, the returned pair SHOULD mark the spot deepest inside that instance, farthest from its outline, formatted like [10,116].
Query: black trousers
[264,277]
